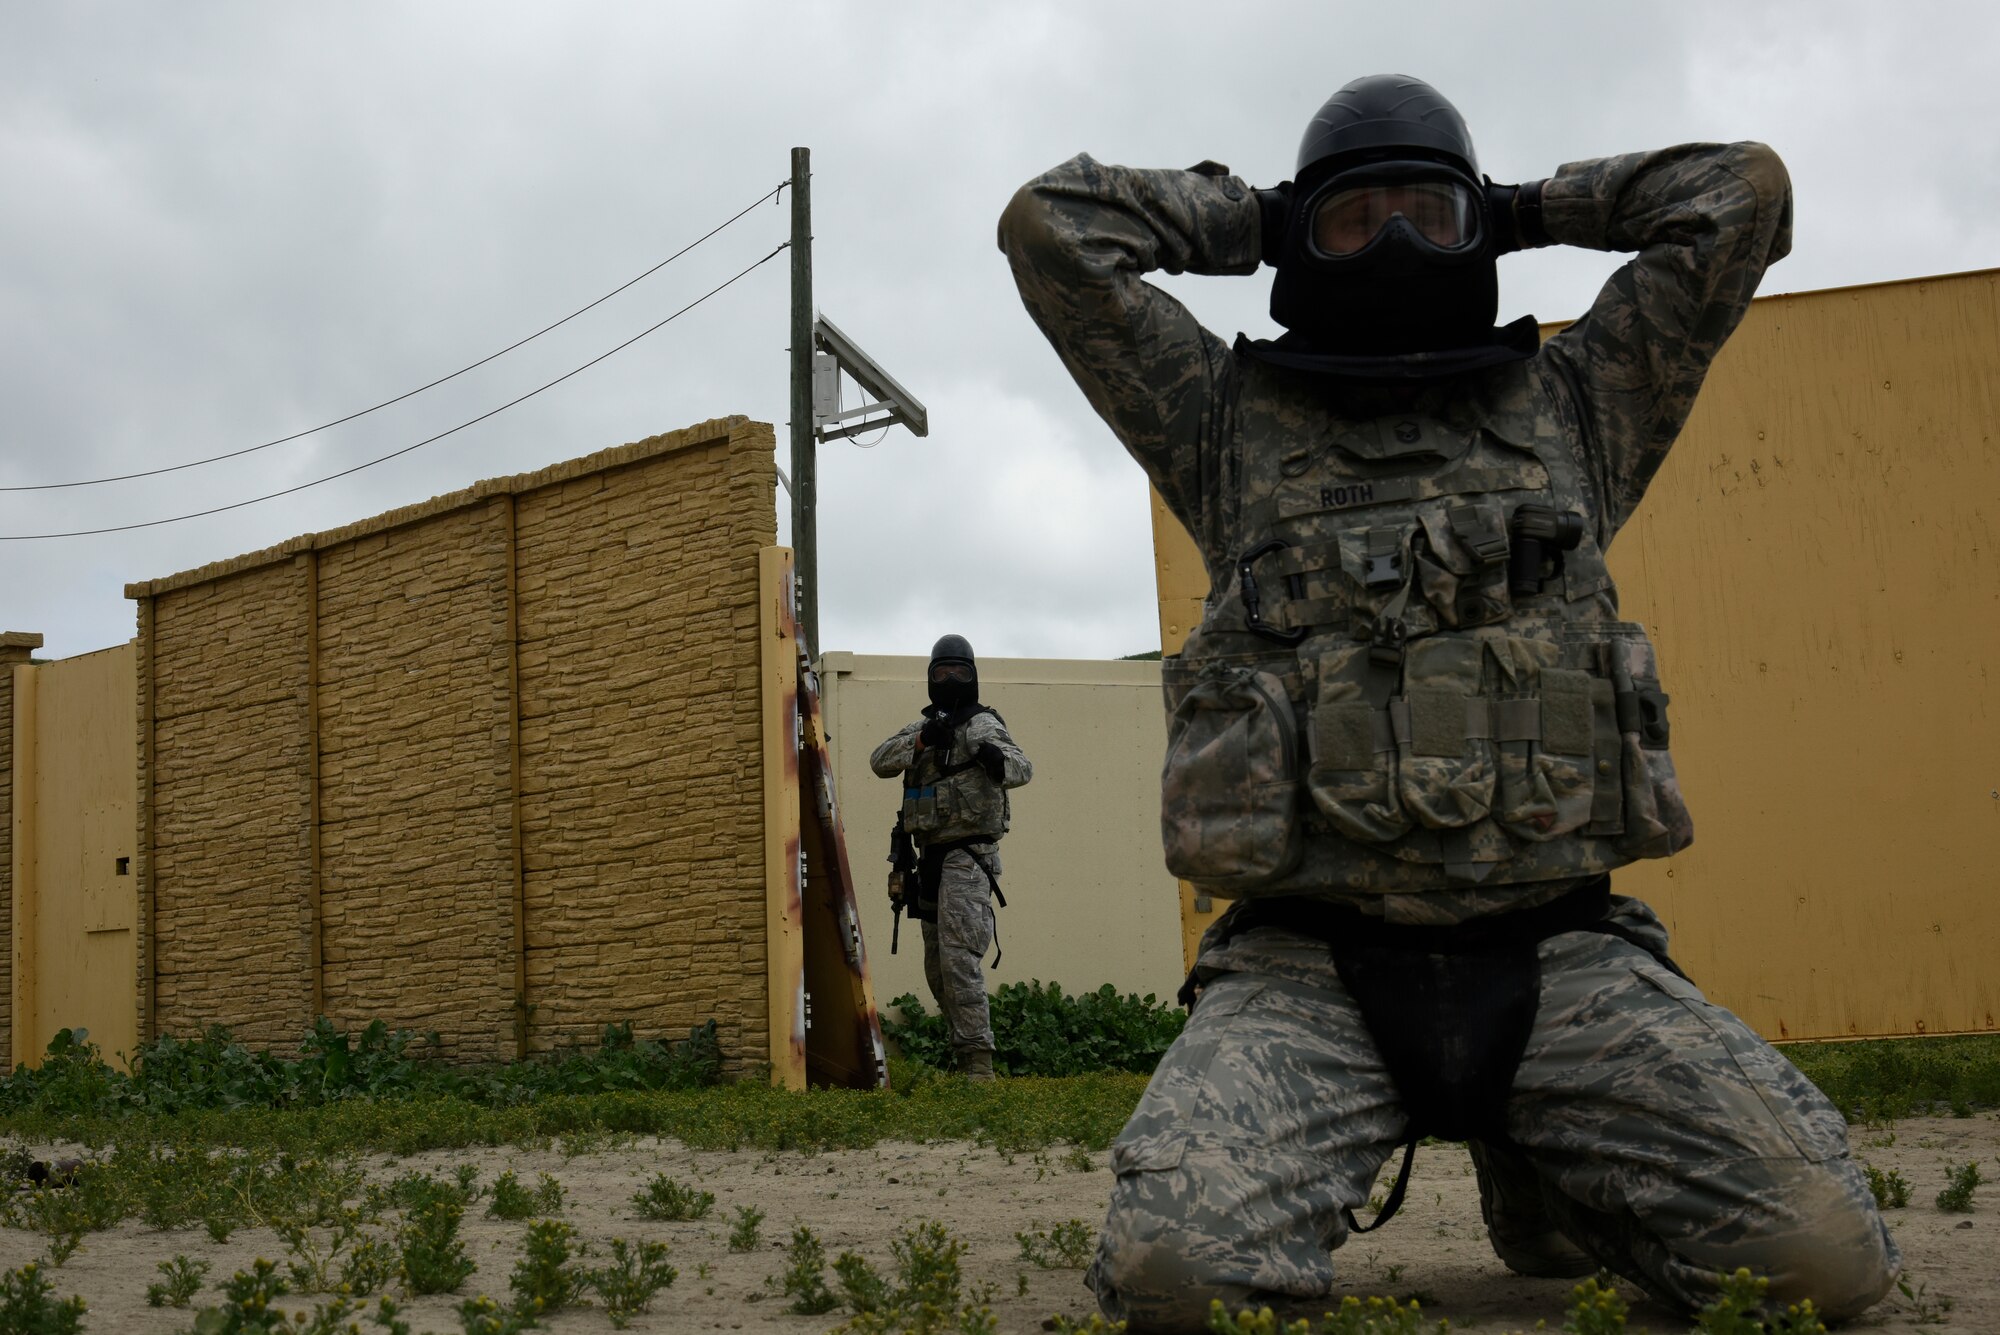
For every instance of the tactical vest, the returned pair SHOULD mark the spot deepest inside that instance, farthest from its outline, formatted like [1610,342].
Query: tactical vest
[946,798]
[1366,706]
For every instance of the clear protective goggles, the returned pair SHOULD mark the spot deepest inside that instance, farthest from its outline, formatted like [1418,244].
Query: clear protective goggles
[941,672]
[1347,217]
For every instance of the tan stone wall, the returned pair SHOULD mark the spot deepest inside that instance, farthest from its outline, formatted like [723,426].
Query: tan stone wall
[230,931]
[15,647]
[488,766]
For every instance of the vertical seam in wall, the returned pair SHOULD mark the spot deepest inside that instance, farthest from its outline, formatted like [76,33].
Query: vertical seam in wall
[315,926]
[147,952]
[7,852]
[27,857]
[512,634]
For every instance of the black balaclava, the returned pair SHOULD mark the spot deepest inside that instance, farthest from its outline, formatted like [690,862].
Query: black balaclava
[953,695]
[1400,306]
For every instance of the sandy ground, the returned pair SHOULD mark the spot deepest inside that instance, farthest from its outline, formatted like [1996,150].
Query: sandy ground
[857,1200]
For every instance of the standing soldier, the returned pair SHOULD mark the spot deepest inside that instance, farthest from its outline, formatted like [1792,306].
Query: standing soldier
[957,763]
[1411,737]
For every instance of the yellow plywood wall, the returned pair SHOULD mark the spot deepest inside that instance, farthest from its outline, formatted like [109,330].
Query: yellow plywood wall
[75,902]
[1819,567]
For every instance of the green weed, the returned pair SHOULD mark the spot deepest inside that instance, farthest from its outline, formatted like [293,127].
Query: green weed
[319,1256]
[1355,1316]
[387,1317]
[1960,1182]
[664,1198]
[545,1279]
[1067,1246]
[636,1273]
[483,1316]
[1926,1309]
[927,1297]
[861,1287]
[182,1280]
[805,1275]
[369,1266]
[1595,1309]
[26,1307]
[511,1200]
[248,1299]
[1891,1190]
[749,1220]
[433,1260]
[1738,1308]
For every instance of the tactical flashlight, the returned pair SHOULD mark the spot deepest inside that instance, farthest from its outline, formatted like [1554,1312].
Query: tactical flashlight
[1538,535]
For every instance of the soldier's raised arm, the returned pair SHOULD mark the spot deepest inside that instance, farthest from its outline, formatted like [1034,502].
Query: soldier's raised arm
[896,754]
[1079,239]
[1707,220]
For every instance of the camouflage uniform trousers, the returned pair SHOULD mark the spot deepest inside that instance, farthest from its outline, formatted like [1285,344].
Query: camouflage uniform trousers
[1654,1129]
[955,944]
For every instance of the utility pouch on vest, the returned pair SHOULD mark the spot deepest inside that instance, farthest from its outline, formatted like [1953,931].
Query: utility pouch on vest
[1545,736]
[1352,779]
[1229,810]
[1656,821]
[1444,748]
[1462,562]
[926,806]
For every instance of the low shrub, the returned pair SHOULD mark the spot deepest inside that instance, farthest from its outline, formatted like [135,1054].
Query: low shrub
[180,1283]
[805,1275]
[1883,1079]
[1961,1181]
[511,1200]
[664,1198]
[433,1258]
[26,1306]
[1040,1030]
[545,1279]
[215,1072]
[636,1273]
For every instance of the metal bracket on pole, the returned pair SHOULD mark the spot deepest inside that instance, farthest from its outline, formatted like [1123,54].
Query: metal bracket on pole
[834,353]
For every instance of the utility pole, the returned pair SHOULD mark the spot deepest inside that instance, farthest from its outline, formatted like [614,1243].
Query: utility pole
[821,355]
[805,533]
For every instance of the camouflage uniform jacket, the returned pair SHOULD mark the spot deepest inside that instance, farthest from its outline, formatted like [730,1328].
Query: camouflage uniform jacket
[947,794]
[1366,713]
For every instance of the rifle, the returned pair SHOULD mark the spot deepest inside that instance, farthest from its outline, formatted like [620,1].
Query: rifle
[903,876]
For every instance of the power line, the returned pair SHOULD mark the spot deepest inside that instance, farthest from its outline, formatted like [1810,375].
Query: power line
[396,454]
[323,426]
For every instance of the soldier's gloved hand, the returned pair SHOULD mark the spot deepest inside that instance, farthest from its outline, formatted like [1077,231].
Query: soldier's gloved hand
[1517,216]
[1274,207]
[936,733]
[992,759]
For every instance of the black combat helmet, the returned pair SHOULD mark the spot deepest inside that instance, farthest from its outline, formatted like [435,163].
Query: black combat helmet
[1389,244]
[958,685]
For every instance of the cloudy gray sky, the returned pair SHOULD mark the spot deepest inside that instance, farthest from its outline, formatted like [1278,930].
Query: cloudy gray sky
[222,223]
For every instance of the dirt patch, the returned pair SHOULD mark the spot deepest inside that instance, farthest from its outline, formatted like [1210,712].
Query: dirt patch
[857,1200]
